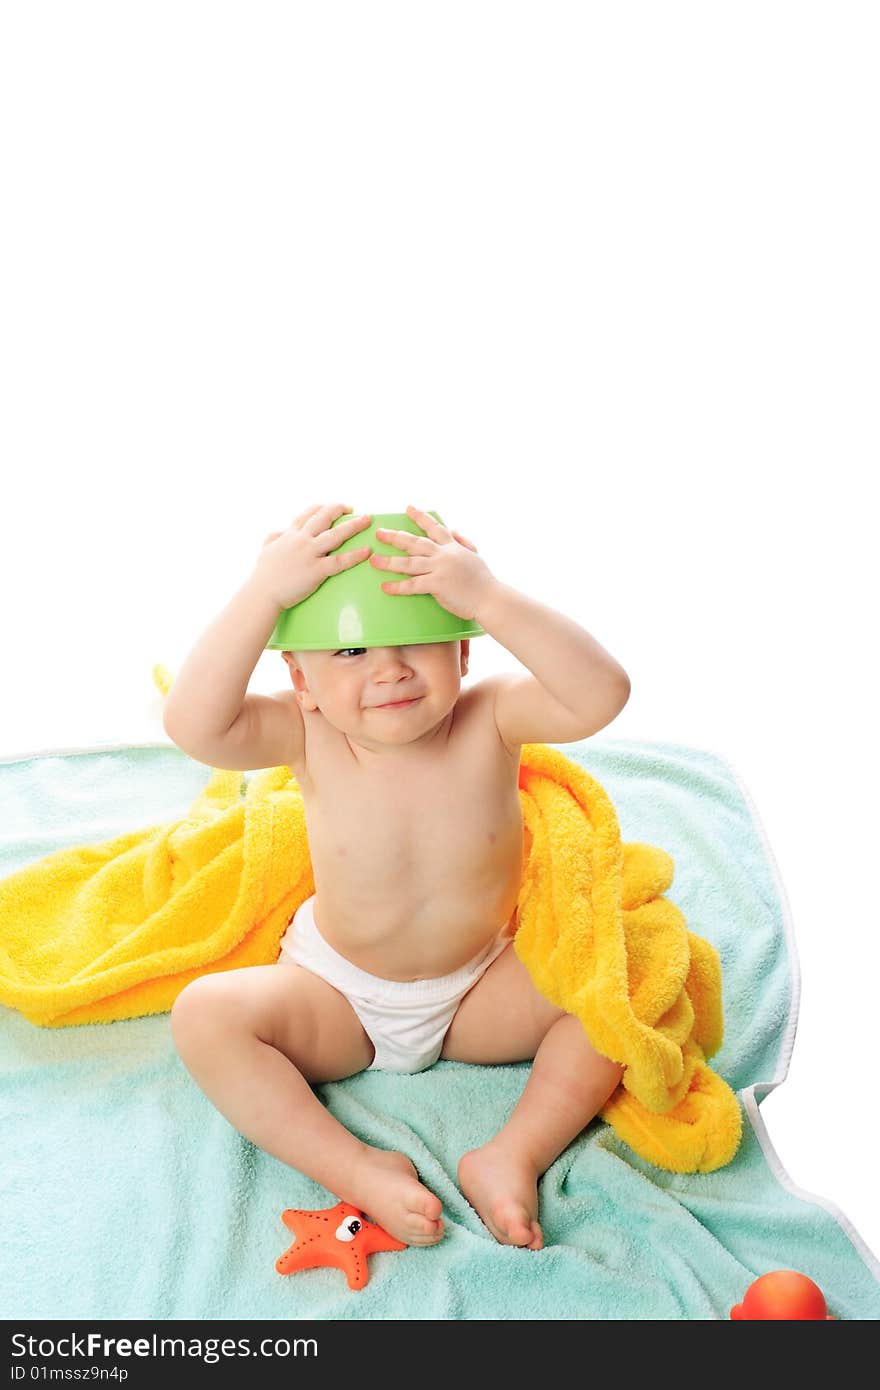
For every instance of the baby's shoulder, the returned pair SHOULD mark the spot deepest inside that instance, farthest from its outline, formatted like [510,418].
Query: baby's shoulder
[475,713]
[482,694]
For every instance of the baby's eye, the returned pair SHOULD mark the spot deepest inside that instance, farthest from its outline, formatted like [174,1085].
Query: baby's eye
[350,649]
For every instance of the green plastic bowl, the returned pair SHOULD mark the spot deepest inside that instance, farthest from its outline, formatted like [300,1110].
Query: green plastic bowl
[351,609]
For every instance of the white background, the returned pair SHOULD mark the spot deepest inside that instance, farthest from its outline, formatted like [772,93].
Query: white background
[597,283]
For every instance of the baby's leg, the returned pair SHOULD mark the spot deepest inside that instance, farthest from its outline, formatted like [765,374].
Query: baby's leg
[503,1018]
[256,1040]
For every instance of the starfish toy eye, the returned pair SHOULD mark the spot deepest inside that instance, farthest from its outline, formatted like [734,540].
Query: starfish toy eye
[348,1229]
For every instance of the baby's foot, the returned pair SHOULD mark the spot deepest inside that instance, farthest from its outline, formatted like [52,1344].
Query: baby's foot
[386,1188]
[502,1187]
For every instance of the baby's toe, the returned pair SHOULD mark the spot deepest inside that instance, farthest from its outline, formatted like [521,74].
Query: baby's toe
[432,1208]
[514,1222]
[426,1203]
[423,1215]
[425,1232]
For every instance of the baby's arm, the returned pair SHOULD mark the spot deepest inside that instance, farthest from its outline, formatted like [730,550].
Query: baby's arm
[208,712]
[576,687]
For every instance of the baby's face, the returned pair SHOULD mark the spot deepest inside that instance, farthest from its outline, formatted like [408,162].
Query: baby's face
[357,688]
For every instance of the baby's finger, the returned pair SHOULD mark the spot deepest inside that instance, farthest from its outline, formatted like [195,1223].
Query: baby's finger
[323,518]
[464,540]
[402,564]
[337,535]
[346,559]
[405,540]
[425,520]
[306,515]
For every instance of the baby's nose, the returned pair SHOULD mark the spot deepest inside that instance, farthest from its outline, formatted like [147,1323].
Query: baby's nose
[388,658]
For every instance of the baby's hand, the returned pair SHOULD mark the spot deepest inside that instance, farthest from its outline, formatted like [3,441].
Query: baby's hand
[293,563]
[442,562]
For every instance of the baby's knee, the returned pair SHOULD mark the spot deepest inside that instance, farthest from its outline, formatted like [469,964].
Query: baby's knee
[608,1074]
[201,1007]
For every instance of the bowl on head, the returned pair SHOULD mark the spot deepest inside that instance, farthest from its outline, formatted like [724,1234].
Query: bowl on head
[351,609]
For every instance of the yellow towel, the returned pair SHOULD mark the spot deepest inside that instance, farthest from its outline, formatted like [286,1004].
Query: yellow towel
[115,930]
[600,941]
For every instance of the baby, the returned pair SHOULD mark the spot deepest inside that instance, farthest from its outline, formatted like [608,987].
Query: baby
[403,955]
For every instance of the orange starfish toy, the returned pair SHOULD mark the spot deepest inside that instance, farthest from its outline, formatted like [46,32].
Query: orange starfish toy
[340,1236]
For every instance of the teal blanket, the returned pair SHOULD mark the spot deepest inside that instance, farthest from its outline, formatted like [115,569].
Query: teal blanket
[126,1195]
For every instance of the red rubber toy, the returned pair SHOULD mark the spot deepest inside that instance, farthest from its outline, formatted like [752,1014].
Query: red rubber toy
[782,1294]
[340,1236]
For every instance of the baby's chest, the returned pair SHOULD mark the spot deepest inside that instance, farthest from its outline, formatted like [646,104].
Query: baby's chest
[413,823]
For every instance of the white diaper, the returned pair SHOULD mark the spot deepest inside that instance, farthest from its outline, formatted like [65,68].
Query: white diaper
[405,1020]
